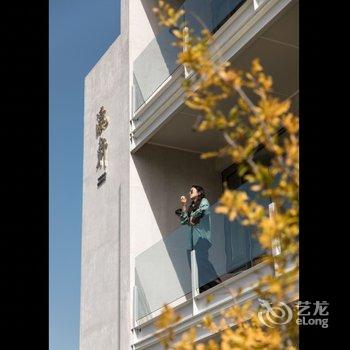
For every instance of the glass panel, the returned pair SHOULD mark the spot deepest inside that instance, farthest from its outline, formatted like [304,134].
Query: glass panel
[163,272]
[153,66]
[158,60]
[210,14]
[233,247]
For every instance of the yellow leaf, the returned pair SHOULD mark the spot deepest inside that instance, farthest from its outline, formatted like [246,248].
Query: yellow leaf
[256,66]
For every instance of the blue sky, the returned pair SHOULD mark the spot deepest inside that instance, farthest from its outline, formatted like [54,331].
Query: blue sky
[80,32]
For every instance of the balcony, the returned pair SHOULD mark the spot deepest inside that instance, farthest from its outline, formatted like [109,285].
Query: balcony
[158,61]
[170,272]
[268,30]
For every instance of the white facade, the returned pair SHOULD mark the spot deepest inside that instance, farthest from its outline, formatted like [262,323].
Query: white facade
[133,248]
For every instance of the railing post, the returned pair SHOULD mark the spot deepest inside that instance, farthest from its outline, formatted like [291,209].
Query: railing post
[276,243]
[135,306]
[133,102]
[185,47]
[194,281]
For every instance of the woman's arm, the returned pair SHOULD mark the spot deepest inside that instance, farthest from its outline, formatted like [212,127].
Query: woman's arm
[203,206]
[184,219]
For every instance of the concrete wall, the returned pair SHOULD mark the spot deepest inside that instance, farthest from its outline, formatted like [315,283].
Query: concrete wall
[143,26]
[105,294]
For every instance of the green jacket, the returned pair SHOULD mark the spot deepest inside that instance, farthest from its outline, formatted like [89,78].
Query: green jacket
[203,228]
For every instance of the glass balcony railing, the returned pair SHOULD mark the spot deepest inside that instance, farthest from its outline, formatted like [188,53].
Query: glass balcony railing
[158,60]
[163,272]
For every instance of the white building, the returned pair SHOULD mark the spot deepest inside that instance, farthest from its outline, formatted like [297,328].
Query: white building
[135,254]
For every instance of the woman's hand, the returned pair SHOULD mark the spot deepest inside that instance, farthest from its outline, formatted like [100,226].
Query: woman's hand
[183,200]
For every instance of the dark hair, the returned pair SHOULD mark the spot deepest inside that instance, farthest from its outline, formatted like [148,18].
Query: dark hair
[195,204]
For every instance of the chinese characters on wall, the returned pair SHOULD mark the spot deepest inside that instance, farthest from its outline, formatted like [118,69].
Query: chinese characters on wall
[101,126]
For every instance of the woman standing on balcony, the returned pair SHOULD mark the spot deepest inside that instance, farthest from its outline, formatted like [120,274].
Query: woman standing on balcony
[197,216]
